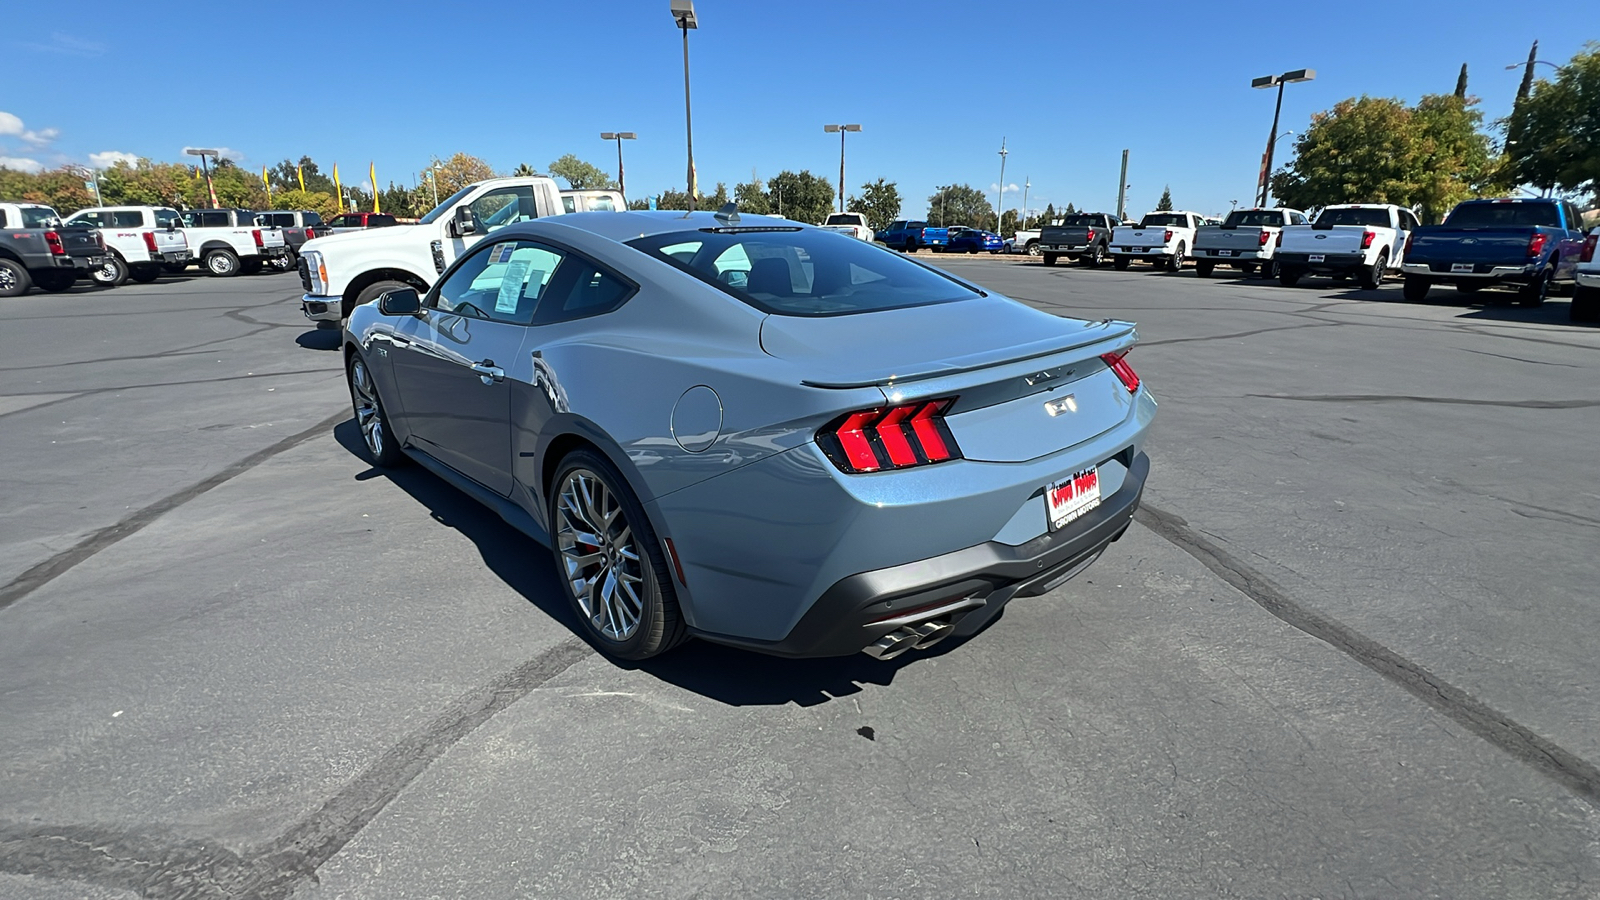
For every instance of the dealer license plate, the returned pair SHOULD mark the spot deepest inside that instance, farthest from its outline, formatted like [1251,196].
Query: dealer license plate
[1224,252]
[1461,267]
[1317,257]
[1073,497]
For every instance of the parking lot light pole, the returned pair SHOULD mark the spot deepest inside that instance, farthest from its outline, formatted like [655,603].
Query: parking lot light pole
[210,189]
[842,129]
[1022,221]
[1278,81]
[1001,200]
[619,137]
[683,14]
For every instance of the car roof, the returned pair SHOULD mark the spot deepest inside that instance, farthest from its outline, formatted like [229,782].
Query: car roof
[638,223]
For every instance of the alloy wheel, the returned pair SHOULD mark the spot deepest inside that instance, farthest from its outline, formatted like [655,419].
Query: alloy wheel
[599,556]
[369,415]
[8,279]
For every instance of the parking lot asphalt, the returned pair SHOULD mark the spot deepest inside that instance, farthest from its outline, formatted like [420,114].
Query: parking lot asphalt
[1344,652]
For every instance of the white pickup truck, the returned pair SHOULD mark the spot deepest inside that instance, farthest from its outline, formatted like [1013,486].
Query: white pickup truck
[139,241]
[1365,241]
[343,271]
[1163,238]
[851,223]
[577,201]
[228,241]
[1246,240]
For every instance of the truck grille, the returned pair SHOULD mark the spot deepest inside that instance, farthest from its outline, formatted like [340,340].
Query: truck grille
[305,275]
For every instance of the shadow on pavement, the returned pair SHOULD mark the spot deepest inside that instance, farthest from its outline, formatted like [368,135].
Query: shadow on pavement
[724,674]
[1485,305]
[320,339]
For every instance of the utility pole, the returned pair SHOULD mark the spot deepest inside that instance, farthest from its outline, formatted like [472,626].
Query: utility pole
[1022,221]
[683,14]
[842,129]
[1001,200]
[1122,189]
[1266,81]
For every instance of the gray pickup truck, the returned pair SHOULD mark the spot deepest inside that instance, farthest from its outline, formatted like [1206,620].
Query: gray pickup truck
[36,249]
[1084,237]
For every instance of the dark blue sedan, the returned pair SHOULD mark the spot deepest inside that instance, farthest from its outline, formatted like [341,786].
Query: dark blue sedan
[973,240]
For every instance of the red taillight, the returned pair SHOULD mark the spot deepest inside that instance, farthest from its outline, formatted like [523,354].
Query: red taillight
[1409,236]
[1367,237]
[895,437]
[1169,236]
[1536,245]
[257,235]
[150,242]
[1118,362]
[1279,242]
[56,247]
[1265,236]
[1091,234]
[1588,247]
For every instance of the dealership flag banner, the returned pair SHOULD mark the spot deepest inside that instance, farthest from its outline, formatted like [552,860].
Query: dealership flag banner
[372,172]
[300,173]
[338,189]
[267,184]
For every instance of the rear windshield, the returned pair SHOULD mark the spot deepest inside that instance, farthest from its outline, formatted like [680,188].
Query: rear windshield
[1156,220]
[1091,221]
[39,217]
[843,219]
[804,272]
[1378,218]
[166,218]
[313,219]
[1250,217]
[1505,214]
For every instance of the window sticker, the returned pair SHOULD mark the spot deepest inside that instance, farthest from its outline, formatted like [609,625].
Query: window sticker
[500,253]
[510,285]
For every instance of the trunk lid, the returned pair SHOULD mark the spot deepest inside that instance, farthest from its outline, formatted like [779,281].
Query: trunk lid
[1134,236]
[170,241]
[272,237]
[1002,360]
[1467,244]
[81,241]
[1243,238]
[1075,235]
[1334,239]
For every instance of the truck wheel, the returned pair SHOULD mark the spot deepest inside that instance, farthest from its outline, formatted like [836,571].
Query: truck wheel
[1120,263]
[1204,267]
[1033,248]
[144,274]
[1269,269]
[1585,304]
[1288,276]
[1096,256]
[911,245]
[14,278]
[222,263]
[1372,277]
[1416,288]
[112,273]
[286,262]
[174,268]
[1050,258]
[1175,261]
[55,282]
[250,266]
[1534,292]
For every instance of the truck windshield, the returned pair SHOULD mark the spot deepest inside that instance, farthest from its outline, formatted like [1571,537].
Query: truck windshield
[39,217]
[803,272]
[166,218]
[1505,215]
[1253,217]
[444,207]
[1377,218]
[1158,220]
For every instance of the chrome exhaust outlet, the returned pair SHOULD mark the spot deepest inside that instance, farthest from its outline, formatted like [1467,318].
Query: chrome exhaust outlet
[930,633]
[893,644]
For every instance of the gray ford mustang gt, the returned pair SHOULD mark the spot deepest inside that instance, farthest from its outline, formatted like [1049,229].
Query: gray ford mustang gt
[756,432]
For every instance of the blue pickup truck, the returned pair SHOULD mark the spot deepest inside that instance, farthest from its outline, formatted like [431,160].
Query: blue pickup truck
[1527,243]
[909,235]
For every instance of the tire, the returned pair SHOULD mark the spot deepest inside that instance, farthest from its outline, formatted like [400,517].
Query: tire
[1416,288]
[14,278]
[1371,278]
[1175,261]
[252,266]
[1585,304]
[1533,293]
[371,415]
[1120,263]
[1032,248]
[144,274]
[994,252]
[1050,258]
[588,498]
[285,263]
[174,268]
[222,263]
[55,281]
[1097,256]
[370,293]
[113,273]
[1268,269]
[1204,267]
[911,245]
[1288,276]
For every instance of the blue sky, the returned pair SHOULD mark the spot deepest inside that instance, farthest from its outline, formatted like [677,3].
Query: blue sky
[935,85]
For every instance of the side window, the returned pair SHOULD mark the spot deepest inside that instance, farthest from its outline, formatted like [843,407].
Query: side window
[127,218]
[568,203]
[380,221]
[602,204]
[5,219]
[214,220]
[313,219]
[503,283]
[96,219]
[505,207]
[585,289]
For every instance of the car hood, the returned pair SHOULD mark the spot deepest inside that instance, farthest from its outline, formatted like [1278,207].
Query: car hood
[897,345]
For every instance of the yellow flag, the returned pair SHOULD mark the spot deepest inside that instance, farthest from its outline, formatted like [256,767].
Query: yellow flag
[266,184]
[338,190]
[372,170]
[300,174]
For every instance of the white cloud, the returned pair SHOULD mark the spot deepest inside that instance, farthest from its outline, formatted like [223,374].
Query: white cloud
[223,152]
[68,45]
[1012,188]
[21,164]
[41,137]
[110,158]
[12,126]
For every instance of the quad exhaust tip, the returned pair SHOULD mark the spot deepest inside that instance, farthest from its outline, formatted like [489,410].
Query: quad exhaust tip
[910,637]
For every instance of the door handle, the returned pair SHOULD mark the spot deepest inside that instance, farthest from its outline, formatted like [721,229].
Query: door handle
[488,372]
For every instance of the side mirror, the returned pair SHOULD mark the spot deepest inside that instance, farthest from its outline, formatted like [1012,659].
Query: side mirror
[466,222]
[402,302]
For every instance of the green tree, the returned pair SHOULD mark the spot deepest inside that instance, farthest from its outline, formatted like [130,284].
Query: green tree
[1049,214]
[959,204]
[879,202]
[144,183]
[457,172]
[752,197]
[1071,210]
[800,196]
[580,175]
[1461,83]
[1452,155]
[1165,203]
[523,169]
[283,177]
[670,199]
[715,200]
[319,202]
[1557,129]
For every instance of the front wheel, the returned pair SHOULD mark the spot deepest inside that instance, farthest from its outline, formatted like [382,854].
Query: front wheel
[14,278]
[222,263]
[371,416]
[111,273]
[1372,276]
[610,562]
[1415,288]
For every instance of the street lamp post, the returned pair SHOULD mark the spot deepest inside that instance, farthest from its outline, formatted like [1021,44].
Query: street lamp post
[842,129]
[1023,219]
[683,14]
[210,189]
[1001,200]
[619,137]
[1278,81]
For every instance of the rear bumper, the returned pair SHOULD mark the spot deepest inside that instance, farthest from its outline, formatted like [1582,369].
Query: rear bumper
[1065,249]
[1330,262]
[318,308]
[1481,273]
[968,587]
[1587,279]
[272,252]
[1122,250]
[170,256]
[1231,255]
